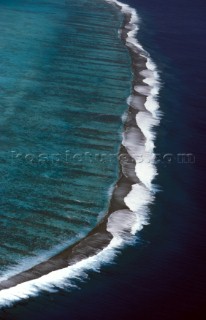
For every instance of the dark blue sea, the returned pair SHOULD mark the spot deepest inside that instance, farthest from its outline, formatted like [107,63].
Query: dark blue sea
[162,276]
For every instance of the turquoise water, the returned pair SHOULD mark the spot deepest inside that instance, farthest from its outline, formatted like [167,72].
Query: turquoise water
[64,80]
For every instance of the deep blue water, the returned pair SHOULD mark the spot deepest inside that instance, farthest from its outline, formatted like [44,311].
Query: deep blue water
[163,276]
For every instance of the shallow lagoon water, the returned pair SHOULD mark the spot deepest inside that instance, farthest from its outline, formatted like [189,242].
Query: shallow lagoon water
[65,76]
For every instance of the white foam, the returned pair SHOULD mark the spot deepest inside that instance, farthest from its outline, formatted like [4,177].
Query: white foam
[138,197]
[146,121]
[145,90]
[146,173]
[148,117]
[120,222]
[124,116]
[60,278]
[133,140]
[152,105]
[125,222]
[136,102]
[40,256]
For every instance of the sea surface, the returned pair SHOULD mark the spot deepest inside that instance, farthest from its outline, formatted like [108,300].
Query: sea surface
[163,274]
[65,77]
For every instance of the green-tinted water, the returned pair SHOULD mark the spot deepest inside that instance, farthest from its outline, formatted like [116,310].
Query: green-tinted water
[64,80]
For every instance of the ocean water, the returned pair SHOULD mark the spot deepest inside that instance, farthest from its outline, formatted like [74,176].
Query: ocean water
[163,275]
[61,110]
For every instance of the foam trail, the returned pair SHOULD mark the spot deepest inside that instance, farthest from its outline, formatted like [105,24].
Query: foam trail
[147,116]
[62,278]
[138,140]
